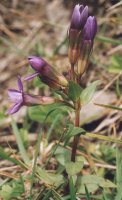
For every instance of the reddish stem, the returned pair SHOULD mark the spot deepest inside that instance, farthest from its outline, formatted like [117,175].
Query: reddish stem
[72,73]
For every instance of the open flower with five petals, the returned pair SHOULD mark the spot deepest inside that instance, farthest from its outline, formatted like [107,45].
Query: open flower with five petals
[19,98]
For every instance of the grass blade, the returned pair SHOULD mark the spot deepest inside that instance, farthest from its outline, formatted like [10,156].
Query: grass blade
[108,40]
[109,106]
[56,195]
[35,161]
[6,156]
[103,137]
[72,189]
[87,193]
[52,126]
[48,195]
[119,174]
[20,143]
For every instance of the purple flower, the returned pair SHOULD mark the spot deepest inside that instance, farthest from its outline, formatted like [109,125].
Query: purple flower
[79,17]
[37,63]
[89,33]
[78,20]
[46,73]
[19,98]
[90,29]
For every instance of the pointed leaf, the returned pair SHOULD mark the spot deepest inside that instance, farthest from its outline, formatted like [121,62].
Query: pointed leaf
[72,131]
[73,168]
[74,91]
[93,182]
[50,178]
[109,106]
[88,92]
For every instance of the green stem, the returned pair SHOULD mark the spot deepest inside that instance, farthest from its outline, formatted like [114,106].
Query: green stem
[77,124]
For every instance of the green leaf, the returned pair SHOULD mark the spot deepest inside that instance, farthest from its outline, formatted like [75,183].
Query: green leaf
[56,195]
[93,182]
[87,193]
[6,156]
[115,66]
[74,91]
[47,195]
[62,155]
[6,192]
[119,174]
[109,106]
[109,40]
[72,131]
[72,189]
[37,150]
[20,144]
[73,168]
[54,122]
[12,190]
[88,92]
[2,115]
[103,137]
[50,178]
[48,112]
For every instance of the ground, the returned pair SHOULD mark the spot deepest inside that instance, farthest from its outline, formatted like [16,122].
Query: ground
[40,28]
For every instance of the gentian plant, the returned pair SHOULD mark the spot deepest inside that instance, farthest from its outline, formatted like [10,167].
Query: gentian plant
[81,33]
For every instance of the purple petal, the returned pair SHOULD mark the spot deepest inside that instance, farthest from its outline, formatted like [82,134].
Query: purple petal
[94,27]
[31,76]
[15,96]
[37,63]
[14,108]
[81,7]
[84,16]
[20,85]
[90,28]
[13,90]
[75,20]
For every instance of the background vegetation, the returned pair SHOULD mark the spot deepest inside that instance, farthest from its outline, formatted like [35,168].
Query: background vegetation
[37,27]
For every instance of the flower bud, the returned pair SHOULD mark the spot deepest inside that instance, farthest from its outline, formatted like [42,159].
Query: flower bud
[89,33]
[73,55]
[78,20]
[90,29]
[79,17]
[46,73]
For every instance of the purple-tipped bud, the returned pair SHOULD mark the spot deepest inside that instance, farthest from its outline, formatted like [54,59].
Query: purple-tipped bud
[37,63]
[90,29]
[84,16]
[89,33]
[75,20]
[19,98]
[46,73]
[78,20]
[79,17]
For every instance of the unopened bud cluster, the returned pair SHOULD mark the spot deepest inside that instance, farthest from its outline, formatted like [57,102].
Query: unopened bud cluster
[82,31]
[81,35]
